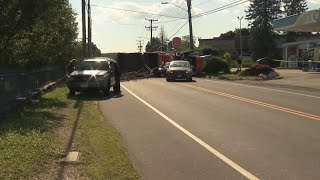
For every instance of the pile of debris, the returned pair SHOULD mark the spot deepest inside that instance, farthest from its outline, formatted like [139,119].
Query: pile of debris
[261,71]
[143,73]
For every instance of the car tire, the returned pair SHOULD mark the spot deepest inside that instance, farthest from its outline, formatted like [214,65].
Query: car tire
[72,92]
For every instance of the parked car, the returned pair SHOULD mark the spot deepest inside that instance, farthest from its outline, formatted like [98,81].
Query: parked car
[179,70]
[93,73]
[268,61]
[163,69]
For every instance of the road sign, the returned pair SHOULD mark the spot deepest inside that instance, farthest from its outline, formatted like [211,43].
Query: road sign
[176,42]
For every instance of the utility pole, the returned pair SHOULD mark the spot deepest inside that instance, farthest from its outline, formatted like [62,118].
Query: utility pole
[240,36]
[140,45]
[151,28]
[89,30]
[190,25]
[84,38]
[162,45]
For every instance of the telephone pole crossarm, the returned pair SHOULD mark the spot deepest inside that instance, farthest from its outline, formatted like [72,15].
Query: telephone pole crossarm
[151,28]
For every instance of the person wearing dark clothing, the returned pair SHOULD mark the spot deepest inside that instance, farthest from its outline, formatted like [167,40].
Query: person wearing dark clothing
[71,66]
[239,61]
[117,75]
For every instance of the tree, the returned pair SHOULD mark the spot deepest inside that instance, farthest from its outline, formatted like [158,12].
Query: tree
[292,7]
[170,47]
[244,31]
[156,45]
[185,43]
[262,37]
[36,33]
[228,35]
[163,37]
[207,50]
[78,51]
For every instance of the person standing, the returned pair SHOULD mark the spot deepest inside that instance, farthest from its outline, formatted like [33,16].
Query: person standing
[117,76]
[71,66]
[239,61]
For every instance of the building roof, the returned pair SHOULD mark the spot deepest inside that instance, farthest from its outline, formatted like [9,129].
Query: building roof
[305,22]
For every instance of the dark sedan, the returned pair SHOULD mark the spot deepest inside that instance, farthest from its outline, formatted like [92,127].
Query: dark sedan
[92,74]
[179,70]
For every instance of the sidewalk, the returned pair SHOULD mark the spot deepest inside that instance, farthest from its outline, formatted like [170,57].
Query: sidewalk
[296,77]
[293,78]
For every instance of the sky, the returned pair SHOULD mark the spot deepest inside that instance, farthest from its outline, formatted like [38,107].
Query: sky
[115,30]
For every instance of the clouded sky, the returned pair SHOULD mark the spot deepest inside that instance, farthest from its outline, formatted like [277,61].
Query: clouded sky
[115,30]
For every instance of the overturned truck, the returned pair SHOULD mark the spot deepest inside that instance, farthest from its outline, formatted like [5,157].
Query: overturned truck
[138,65]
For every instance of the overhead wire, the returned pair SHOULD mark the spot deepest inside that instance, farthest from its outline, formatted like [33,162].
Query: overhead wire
[179,29]
[236,3]
[133,11]
[202,3]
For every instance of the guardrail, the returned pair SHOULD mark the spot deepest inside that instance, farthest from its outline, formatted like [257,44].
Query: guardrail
[21,83]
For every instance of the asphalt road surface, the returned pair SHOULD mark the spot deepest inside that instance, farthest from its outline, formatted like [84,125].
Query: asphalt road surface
[211,129]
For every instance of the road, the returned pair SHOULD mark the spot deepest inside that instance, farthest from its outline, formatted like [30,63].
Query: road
[211,129]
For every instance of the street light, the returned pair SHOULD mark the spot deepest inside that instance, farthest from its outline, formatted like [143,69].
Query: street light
[190,20]
[240,18]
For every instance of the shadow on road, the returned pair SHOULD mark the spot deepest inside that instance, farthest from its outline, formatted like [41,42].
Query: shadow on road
[183,81]
[93,96]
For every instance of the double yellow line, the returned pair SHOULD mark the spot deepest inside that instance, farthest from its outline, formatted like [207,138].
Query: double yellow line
[283,109]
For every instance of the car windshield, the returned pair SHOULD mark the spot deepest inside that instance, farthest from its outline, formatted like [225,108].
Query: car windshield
[93,65]
[180,64]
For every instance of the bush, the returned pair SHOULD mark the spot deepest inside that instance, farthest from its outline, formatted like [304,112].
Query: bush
[216,65]
[257,69]
[227,56]
[247,61]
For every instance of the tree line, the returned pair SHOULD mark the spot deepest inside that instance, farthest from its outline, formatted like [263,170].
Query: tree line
[37,33]
[260,15]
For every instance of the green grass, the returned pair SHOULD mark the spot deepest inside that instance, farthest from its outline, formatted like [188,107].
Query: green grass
[101,148]
[32,143]
[28,143]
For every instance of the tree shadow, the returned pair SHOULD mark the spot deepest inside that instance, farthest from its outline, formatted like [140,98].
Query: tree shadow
[37,116]
[93,96]
[184,81]
[77,105]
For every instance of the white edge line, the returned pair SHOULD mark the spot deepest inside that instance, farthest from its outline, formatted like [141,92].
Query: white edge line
[258,87]
[198,140]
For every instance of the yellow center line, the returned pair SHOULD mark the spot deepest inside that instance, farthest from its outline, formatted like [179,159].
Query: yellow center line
[283,109]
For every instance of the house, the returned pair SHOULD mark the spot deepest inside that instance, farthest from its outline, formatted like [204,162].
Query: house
[227,44]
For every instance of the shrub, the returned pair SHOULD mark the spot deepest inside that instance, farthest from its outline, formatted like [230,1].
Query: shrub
[208,51]
[247,61]
[227,56]
[257,69]
[216,65]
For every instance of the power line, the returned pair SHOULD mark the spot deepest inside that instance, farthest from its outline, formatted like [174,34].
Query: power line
[236,3]
[202,3]
[133,11]
[170,10]
[161,22]
[179,29]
